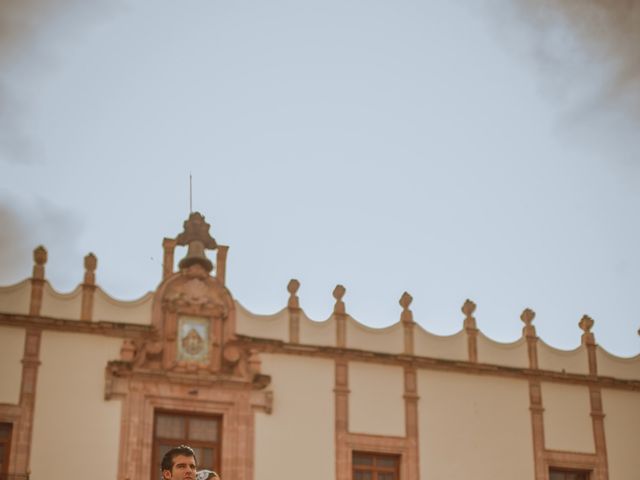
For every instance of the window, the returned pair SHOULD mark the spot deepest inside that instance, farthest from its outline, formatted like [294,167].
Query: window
[202,433]
[373,466]
[560,474]
[5,446]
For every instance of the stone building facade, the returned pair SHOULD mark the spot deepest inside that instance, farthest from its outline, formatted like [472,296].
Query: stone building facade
[113,384]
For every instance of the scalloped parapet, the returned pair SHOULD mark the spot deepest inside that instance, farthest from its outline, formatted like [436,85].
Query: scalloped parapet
[61,305]
[317,333]
[107,308]
[610,365]
[449,347]
[14,299]
[384,340]
[292,325]
[274,326]
[568,361]
[507,354]
[526,352]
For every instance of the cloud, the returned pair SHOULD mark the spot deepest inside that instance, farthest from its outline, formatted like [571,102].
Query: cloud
[25,48]
[587,48]
[587,59]
[24,226]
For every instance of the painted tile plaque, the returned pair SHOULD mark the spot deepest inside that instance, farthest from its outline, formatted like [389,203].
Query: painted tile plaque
[193,339]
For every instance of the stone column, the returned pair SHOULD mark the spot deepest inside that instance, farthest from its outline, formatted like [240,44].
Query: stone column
[30,364]
[595,397]
[37,280]
[293,305]
[411,422]
[88,287]
[535,395]
[169,246]
[221,263]
[406,318]
[340,314]
[470,328]
[341,391]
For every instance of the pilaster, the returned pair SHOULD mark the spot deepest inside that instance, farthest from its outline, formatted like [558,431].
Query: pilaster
[341,391]
[37,280]
[30,364]
[408,325]
[169,246]
[293,305]
[88,287]
[471,330]
[339,313]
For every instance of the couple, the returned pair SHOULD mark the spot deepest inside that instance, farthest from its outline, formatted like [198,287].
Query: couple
[179,463]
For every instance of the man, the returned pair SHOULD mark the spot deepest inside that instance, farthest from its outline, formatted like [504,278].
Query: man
[179,463]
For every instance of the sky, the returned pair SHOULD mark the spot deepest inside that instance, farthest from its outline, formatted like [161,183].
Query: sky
[460,149]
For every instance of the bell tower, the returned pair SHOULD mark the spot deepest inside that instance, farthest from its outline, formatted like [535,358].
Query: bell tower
[197,237]
[191,360]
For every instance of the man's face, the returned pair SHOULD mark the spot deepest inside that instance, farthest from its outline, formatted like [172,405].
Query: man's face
[184,468]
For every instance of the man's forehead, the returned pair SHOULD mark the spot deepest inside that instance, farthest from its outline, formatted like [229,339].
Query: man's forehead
[183,459]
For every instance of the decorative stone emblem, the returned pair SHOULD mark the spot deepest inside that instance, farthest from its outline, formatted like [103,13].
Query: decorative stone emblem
[195,297]
[193,343]
[193,339]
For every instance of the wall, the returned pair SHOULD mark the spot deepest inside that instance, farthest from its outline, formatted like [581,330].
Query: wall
[567,418]
[376,404]
[11,352]
[15,298]
[296,440]
[622,431]
[71,414]
[474,427]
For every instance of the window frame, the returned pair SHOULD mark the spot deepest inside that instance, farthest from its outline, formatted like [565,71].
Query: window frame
[216,446]
[6,441]
[587,473]
[375,469]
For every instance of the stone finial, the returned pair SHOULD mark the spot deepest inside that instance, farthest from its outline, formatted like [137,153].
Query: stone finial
[196,229]
[90,262]
[196,236]
[586,324]
[527,317]
[90,265]
[292,288]
[338,293]
[40,256]
[468,308]
[405,301]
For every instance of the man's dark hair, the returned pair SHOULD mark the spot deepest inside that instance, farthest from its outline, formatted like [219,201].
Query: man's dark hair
[167,460]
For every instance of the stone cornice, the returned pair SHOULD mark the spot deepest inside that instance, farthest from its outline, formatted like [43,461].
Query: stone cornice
[430,363]
[105,328]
